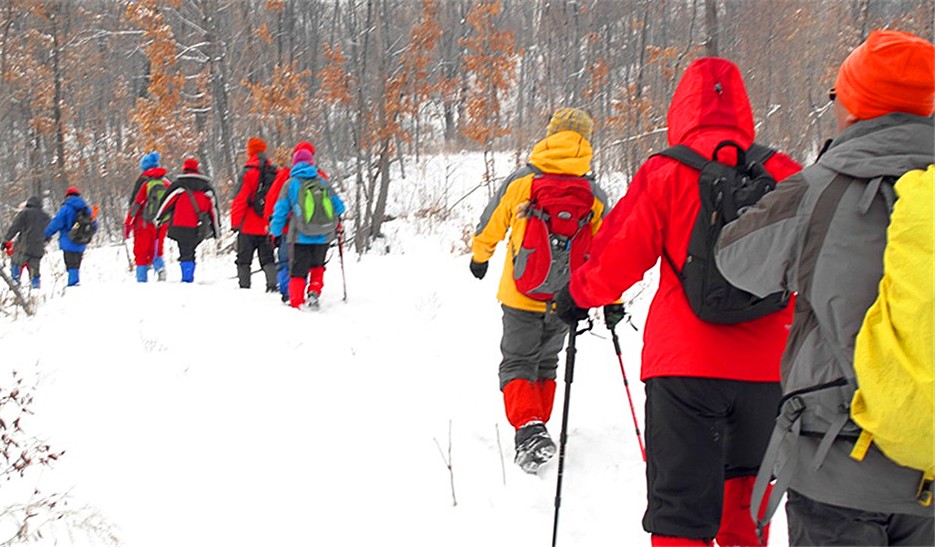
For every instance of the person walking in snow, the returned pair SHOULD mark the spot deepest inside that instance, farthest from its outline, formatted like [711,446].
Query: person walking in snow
[145,199]
[532,338]
[711,389]
[190,211]
[28,227]
[282,251]
[62,224]
[822,234]
[247,216]
[313,212]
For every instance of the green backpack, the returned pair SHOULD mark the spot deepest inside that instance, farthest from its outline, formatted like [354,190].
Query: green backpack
[155,192]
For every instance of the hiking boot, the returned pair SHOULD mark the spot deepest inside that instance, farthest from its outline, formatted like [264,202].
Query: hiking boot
[534,447]
[311,300]
[161,274]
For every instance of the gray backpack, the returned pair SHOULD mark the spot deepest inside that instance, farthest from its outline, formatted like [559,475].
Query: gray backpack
[313,213]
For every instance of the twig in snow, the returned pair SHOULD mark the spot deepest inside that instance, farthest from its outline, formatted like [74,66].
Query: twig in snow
[447,460]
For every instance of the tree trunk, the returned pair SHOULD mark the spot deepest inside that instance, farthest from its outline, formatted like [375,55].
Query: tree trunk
[711,28]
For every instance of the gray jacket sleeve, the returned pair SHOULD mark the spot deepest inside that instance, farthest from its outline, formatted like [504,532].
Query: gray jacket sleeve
[759,252]
[19,223]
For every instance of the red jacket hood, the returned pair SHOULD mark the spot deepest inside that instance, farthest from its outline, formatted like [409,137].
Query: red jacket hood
[710,95]
[155,172]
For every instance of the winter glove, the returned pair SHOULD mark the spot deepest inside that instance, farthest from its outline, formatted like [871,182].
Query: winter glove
[276,241]
[8,247]
[479,269]
[566,309]
[613,314]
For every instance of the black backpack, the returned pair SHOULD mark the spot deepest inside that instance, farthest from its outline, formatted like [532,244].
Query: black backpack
[264,183]
[726,193]
[82,230]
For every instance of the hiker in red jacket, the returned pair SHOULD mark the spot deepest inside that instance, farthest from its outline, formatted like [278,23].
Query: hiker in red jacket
[247,217]
[148,240]
[712,390]
[190,210]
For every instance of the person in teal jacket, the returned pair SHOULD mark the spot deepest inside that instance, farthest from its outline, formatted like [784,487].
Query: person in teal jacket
[312,209]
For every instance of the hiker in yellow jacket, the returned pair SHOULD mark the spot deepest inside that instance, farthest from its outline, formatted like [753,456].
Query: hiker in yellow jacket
[532,338]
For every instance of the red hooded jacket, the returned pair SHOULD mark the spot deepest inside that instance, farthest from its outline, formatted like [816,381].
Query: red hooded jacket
[657,214]
[243,216]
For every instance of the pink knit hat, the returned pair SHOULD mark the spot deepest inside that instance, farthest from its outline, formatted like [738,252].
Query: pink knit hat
[301,155]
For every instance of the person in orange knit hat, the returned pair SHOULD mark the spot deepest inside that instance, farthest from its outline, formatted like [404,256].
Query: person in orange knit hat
[822,234]
[890,72]
[247,217]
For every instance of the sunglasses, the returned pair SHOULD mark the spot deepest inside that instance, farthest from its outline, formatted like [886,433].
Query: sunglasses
[832,96]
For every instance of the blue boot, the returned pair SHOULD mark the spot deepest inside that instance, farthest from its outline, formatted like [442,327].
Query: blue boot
[188,271]
[73,277]
[35,282]
[16,272]
[160,266]
[142,273]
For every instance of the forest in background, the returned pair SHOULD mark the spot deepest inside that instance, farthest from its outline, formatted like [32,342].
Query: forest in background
[89,86]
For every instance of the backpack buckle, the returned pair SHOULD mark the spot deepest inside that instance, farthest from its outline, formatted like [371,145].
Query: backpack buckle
[924,493]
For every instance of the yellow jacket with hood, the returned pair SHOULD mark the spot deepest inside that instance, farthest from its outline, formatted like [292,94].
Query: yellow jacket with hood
[565,153]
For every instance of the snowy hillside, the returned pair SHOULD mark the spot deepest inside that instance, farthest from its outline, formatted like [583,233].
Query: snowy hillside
[197,415]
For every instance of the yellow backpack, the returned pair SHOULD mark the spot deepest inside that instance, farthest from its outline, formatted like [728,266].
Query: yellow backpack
[893,358]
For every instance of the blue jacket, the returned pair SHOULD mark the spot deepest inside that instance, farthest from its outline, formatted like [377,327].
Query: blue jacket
[63,221]
[289,198]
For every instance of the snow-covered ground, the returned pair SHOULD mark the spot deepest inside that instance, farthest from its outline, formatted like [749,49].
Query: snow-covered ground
[206,415]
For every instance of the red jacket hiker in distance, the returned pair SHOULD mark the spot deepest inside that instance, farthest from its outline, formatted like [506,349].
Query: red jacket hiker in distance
[148,240]
[658,213]
[243,216]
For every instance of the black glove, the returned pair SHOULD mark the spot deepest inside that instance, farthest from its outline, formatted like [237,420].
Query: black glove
[276,241]
[613,314]
[566,309]
[479,269]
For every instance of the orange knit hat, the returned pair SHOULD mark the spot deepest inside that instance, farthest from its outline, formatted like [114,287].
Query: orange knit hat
[255,146]
[890,72]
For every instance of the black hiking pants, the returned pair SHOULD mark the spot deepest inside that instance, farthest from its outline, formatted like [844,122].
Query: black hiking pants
[187,240]
[72,260]
[247,244]
[303,257]
[699,433]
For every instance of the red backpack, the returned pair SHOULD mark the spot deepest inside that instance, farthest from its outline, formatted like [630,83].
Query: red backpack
[558,234]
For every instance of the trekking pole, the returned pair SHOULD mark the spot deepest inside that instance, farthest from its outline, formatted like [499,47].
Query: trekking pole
[129,259]
[569,376]
[341,257]
[626,385]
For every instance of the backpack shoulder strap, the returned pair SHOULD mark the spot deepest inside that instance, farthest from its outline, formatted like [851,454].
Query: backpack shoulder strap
[759,153]
[684,154]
